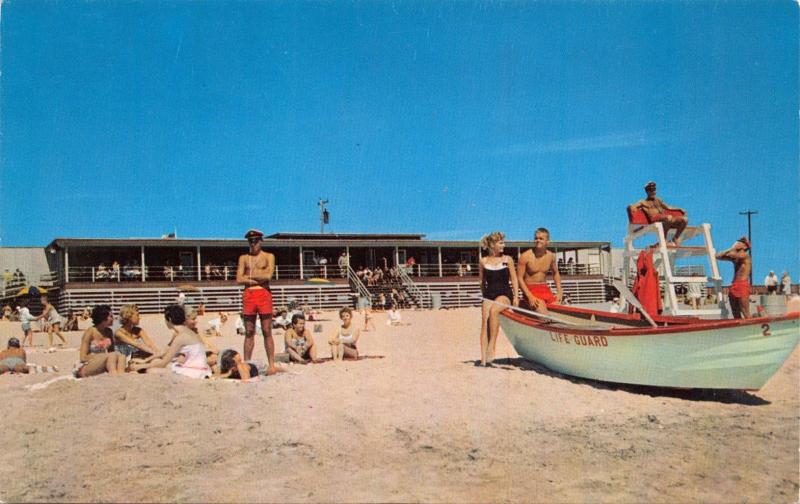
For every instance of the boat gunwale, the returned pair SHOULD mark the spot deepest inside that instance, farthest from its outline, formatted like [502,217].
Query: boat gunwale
[695,325]
[630,317]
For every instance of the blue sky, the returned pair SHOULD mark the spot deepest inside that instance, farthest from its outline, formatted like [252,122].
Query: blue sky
[453,119]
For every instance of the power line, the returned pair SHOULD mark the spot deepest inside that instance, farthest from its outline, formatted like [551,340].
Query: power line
[750,213]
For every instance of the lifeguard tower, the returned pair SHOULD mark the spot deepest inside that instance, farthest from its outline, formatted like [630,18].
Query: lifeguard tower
[665,257]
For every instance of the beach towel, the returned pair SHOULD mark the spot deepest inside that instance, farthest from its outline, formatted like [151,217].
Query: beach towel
[44,385]
[37,368]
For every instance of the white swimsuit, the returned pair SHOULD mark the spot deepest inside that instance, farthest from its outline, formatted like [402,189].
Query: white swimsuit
[196,365]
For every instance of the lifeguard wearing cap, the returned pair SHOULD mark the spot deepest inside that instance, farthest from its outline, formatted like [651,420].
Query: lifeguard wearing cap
[657,211]
[254,273]
[254,233]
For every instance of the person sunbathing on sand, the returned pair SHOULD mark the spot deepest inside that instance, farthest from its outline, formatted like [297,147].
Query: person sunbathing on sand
[232,366]
[13,359]
[186,342]
[215,325]
[212,352]
[300,342]
[132,340]
[343,341]
[394,317]
[97,353]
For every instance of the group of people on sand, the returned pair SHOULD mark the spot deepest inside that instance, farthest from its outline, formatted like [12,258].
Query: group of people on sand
[254,272]
[189,352]
[50,322]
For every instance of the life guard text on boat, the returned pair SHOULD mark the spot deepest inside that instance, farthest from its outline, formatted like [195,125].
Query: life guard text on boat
[579,339]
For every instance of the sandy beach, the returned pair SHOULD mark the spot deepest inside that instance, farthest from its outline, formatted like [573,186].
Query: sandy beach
[419,424]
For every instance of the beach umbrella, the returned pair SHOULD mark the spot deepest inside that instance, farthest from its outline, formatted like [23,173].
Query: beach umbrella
[32,291]
[317,281]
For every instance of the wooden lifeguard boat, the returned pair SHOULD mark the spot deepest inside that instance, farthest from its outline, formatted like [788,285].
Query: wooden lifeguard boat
[675,349]
[679,352]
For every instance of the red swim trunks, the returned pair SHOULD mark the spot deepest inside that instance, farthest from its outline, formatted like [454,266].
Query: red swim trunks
[542,291]
[740,289]
[257,301]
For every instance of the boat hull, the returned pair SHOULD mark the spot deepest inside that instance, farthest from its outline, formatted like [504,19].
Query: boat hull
[731,354]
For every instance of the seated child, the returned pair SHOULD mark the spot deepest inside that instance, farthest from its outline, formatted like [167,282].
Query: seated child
[215,325]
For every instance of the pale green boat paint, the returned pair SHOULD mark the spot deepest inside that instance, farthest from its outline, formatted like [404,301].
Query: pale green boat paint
[738,357]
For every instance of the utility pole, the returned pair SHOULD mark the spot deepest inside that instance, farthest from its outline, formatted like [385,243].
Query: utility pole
[324,216]
[750,213]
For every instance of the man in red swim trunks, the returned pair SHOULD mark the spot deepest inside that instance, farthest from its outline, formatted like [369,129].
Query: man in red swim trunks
[739,292]
[532,271]
[656,211]
[254,272]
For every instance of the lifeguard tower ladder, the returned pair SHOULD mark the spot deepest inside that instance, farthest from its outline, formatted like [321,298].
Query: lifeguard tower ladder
[664,257]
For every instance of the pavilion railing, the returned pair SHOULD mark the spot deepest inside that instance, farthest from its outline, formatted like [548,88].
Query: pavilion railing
[358,286]
[212,272]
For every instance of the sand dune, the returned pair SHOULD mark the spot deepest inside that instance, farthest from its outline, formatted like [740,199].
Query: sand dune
[420,424]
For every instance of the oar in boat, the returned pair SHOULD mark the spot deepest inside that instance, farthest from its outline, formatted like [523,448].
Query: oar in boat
[629,297]
[543,316]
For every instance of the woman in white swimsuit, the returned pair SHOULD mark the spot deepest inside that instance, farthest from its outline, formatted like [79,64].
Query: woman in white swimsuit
[186,343]
[343,341]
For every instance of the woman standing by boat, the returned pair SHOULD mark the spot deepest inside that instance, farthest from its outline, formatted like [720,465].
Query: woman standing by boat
[498,280]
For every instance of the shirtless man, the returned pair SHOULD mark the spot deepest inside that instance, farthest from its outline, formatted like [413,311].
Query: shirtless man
[532,270]
[254,272]
[656,209]
[739,293]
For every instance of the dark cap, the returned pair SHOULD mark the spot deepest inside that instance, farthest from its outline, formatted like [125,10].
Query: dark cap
[650,185]
[13,343]
[253,233]
[746,242]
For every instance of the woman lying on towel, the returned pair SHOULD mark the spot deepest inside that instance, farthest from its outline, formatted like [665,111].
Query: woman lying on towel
[231,365]
[12,360]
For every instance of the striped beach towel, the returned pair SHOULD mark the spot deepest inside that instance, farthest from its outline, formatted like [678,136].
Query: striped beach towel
[37,368]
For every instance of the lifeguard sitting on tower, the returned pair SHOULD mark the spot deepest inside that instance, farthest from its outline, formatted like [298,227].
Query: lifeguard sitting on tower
[657,211]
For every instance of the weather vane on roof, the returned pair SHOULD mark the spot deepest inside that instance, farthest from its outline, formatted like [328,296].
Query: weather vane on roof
[324,216]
